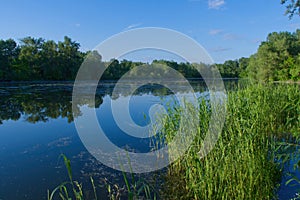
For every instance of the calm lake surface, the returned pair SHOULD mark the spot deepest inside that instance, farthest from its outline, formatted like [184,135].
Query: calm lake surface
[36,127]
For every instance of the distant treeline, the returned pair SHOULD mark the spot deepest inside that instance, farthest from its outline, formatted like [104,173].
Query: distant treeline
[277,59]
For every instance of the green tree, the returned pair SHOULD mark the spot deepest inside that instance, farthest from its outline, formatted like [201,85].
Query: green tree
[229,69]
[93,66]
[252,67]
[30,62]
[294,70]
[50,61]
[292,7]
[275,57]
[8,54]
[243,64]
[70,58]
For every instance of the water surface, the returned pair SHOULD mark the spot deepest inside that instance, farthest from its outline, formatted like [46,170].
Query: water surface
[36,127]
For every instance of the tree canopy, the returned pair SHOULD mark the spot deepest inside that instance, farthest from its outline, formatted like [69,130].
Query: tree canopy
[37,59]
[292,7]
[277,59]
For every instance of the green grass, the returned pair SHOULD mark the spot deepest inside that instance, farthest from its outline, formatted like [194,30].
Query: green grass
[243,164]
[70,189]
[260,131]
[135,188]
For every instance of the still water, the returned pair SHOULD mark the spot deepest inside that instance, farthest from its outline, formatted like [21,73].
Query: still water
[37,126]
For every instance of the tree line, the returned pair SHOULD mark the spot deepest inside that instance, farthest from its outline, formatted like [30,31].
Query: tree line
[38,59]
[277,59]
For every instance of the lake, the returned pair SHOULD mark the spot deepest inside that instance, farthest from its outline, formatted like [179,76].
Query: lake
[37,126]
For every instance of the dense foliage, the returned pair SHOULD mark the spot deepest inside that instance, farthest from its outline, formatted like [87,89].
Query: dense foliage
[234,68]
[292,7]
[277,59]
[37,59]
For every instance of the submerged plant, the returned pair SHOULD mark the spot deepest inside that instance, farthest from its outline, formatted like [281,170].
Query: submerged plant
[133,189]
[63,190]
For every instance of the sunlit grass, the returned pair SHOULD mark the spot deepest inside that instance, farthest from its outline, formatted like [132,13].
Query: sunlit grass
[243,164]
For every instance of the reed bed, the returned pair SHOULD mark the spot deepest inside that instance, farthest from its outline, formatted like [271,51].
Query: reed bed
[244,162]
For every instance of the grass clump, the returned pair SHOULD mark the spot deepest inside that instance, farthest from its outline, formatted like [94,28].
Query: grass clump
[243,163]
[73,190]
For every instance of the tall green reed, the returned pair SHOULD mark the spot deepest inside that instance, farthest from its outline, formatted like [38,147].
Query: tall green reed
[135,188]
[243,164]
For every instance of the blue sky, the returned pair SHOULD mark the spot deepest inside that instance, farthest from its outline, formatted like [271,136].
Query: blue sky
[227,29]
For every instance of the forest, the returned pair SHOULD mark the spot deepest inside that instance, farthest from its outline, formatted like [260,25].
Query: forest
[37,59]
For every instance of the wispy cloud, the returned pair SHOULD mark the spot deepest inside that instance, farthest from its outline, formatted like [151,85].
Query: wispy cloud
[294,26]
[226,35]
[215,31]
[215,4]
[230,36]
[195,0]
[220,49]
[131,26]
[77,25]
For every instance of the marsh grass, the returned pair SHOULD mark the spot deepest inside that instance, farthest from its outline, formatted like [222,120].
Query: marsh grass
[135,188]
[70,189]
[247,161]
[243,164]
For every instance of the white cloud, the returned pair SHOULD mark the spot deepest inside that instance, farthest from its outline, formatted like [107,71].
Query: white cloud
[77,25]
[220,49]
[294,26]
[230,36]
[215,31]
[131,26]
[215,4]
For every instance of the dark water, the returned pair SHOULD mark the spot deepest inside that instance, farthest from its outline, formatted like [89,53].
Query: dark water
[289,192]
[37,126]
